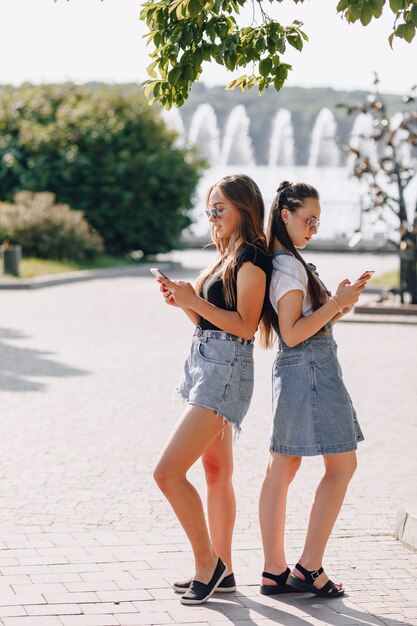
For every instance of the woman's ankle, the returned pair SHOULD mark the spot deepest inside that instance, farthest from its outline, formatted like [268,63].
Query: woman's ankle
[276,567]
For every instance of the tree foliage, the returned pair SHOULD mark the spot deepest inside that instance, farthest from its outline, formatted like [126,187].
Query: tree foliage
[103,151]
[185,33]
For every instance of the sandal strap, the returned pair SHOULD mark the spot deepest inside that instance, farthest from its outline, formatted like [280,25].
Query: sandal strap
[309,575]
[329,586]
[280,579]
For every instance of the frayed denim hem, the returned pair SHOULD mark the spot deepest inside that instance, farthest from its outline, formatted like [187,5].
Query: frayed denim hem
[226,420]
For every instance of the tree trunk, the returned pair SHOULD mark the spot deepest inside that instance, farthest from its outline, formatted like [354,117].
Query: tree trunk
[408,266]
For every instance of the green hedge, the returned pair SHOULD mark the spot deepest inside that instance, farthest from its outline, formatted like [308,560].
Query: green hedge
[47,230]
[103,151]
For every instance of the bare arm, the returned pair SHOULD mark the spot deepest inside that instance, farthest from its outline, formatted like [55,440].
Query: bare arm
[295,328]
[250,285]
[339,316]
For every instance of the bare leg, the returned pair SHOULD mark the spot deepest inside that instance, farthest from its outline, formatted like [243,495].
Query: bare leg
[326,507]
[194,433]
[272,510]
[221,503]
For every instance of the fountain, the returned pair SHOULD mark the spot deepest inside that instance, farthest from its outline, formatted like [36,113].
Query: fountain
[204,132]
[360,138]
[281,150]
[324,150]
[237,146]
[340,194]
[173,122]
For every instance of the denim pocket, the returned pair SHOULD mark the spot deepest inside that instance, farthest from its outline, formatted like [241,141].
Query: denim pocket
[326,355]
[287,360]
[246,381]
[217,351]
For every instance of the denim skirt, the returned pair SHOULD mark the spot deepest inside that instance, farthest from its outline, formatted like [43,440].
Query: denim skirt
[312,409]
[219,374]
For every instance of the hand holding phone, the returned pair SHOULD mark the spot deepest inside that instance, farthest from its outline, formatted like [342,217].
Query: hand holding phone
[367,274]
[157,272]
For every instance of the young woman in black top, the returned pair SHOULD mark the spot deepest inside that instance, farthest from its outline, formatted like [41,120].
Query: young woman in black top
[226,307]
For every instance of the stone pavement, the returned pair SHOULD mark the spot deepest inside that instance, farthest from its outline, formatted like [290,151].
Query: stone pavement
[87,373]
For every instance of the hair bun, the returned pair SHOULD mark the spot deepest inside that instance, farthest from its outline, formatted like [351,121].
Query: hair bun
[283,186]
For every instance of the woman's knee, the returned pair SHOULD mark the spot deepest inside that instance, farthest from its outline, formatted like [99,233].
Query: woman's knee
[165,475]
[283,466]
[217,472]
[341,466]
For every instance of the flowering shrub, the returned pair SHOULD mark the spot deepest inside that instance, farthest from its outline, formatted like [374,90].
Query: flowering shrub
[47,230]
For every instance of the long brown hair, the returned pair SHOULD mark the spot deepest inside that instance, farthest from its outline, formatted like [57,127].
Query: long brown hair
[290,196]
[245,196]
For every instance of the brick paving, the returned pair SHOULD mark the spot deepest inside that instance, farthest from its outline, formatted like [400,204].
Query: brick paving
[87,373]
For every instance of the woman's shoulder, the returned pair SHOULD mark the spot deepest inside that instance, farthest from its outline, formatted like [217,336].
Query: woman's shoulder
[254,254]
[290,265]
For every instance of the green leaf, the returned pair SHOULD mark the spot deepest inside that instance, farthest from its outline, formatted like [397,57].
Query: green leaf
[265,67]
[366,14]
[151,69]
[189,72]
[295,41]
[236,82]
[406,31]
[413,14]
[278,83]
[149,87]
[355,10]
[279,45]
[281,72]
[342,5]
[174,75]
[260,45]
[194,8]
[390,39]
[377,6]
[187,36]
[396,5]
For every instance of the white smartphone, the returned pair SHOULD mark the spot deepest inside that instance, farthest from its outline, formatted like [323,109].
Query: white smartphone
[367,274]
[157,272]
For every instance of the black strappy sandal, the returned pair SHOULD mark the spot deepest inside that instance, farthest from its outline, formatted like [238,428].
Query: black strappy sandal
[329,590]
[280,587]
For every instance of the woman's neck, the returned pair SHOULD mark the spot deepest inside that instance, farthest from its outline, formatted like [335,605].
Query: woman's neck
[232,246]
[277,245]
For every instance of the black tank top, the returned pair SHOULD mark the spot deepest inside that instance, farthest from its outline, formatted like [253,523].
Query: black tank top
[213,288]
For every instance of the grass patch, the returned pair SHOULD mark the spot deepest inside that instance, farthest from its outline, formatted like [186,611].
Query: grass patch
[389,279]
[31,267]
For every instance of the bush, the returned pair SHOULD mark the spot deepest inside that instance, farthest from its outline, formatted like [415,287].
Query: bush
[101,150]
[47,230]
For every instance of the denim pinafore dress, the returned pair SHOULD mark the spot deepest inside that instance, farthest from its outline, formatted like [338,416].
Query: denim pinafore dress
[312,409]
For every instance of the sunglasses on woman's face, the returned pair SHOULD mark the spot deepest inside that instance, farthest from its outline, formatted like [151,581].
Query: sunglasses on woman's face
[311,223]
[214,213]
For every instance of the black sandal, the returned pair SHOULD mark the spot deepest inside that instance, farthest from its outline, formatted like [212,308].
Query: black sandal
[329,590]
[280,587]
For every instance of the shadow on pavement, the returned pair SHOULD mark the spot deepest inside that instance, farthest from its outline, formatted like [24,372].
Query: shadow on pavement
[240,609]
[18,365]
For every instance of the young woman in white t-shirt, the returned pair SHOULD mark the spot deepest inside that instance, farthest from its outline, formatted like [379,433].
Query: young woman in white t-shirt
[312,410]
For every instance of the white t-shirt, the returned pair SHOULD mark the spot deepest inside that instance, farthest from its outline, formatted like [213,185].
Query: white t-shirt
[288,274]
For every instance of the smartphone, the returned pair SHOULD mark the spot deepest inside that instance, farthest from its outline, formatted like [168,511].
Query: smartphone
[367,274]
[157,272]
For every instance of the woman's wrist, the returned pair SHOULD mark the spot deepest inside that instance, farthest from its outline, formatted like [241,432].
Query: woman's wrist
[337,303]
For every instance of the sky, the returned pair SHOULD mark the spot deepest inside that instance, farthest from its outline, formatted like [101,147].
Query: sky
[102,40]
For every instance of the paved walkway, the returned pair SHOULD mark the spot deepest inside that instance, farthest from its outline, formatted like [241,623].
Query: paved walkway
[86,374]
